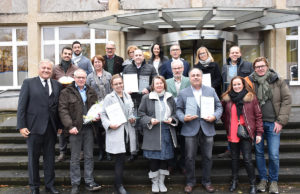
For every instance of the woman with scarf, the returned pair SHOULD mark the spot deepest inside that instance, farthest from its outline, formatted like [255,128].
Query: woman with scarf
[119,136]
[241,107]
[158,118]
[157,58]
[205,62]
[99,80]
[275,101]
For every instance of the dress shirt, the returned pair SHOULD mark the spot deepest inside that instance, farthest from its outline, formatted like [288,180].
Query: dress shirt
[49,84]
[197,94]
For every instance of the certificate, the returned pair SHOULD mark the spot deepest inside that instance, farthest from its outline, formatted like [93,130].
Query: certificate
[206,79]
[207,106]
[115,114]
[130,83]
[191,106]
[160,111]
[143,82]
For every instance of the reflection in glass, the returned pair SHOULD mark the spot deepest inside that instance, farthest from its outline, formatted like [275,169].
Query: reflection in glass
[73,33]
[100,49]
[6,66]
[49,52]
[5,35]
[21,34]
[86,50]
[292,31]
[48,33]
[22,63]
[250,52]
[100,34]
[292,59]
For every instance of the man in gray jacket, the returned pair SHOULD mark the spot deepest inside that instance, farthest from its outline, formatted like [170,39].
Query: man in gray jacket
[79,60]
[198,130]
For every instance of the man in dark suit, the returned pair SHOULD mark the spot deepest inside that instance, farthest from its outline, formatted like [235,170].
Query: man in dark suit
[38,121]
[166,69]
[113,63]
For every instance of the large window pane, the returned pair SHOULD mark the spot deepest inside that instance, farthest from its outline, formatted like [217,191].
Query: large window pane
[86,50]
[74,33]
[48,33]
[292,59]
[100,34]
[22,64]
[6,66]
[21,34]
[292,31]
[5,35]
[49,52]
[100,49]
[250,52]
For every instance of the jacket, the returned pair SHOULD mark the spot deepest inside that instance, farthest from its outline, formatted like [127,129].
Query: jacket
[71,106]
[59,72]
[84,64]
[93,84]
[281,99]
[215,75]
[185,82]
[251,112]
[165,58]
[166,69]
[152,134]
[118,67]
[115,138]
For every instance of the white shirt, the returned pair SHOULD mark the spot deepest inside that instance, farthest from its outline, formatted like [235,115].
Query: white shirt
[177,85]
[156,64]
[197,94]
[49,84]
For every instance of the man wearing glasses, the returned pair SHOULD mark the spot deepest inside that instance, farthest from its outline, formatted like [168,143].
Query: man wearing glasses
[113,63]
[166,69]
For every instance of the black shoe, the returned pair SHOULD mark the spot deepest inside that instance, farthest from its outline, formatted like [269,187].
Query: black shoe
[132,157]
[52,190]
[35,191]
[108,156]
[121,190]
[100,156]
[92,186]
[233,186]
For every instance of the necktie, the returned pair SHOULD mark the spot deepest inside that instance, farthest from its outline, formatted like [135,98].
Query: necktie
[46,86]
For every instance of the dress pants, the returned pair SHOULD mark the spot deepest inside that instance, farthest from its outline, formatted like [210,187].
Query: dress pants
[191,147]
[37,145]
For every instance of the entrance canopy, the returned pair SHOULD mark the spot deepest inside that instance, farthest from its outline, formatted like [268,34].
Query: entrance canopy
[230,19]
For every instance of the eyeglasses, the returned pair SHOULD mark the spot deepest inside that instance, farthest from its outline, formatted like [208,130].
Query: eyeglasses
[260,67]
[200,54]
[80,77]
[110,48]
[175,49]
[120,83]
[177,68]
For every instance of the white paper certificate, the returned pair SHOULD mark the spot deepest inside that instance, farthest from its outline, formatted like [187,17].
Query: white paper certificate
[130,83]
[207,106]
[115,114]
[206,79]
[191,106]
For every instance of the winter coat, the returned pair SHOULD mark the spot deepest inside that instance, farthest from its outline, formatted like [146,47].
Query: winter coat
[152,134]
[59,72]
[118,67]
[150,62]
[251,112]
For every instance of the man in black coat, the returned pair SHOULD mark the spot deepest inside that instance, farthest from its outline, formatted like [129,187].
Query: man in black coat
[38,121]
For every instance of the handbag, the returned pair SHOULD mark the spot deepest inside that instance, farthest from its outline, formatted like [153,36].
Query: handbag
[242,132]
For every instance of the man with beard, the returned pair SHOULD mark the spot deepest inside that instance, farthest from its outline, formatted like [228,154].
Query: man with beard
[79,60]
[65,68]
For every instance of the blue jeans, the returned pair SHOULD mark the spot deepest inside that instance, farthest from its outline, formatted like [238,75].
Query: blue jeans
[273,143]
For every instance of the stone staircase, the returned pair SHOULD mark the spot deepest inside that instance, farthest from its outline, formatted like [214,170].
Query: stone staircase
[13,160]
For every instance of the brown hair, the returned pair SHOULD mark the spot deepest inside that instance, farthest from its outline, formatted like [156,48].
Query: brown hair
[208,54]
[116,76]
[99,57]
[131,47]
[230,87]
[162,79]
[258,59]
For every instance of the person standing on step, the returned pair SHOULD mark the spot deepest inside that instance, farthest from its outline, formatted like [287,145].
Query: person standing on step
[112,61]
[241,107]
[157,58]
[38,121]
[158,119]
[79,60]
[275,101]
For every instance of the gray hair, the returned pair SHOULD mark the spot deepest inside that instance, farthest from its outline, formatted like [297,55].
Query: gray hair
[79,71]
[177,62]
[111,43]
[46,61]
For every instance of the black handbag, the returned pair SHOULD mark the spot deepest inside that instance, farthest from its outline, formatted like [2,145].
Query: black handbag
[242,132]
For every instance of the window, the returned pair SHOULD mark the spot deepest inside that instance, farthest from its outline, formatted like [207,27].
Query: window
[292,53]
[13,57]
[54,38]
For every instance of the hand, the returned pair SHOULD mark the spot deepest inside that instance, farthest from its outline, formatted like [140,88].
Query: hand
[169,121]
[258,139]
[114,126]
[210,118]
[154,121]
[73,131]
[25,132]
[145,91]
[188,118]
[97,118]
[132,120]
[277,127]
[59,131]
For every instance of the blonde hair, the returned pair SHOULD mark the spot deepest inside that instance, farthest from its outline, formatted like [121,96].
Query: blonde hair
[131,47]
[208,54]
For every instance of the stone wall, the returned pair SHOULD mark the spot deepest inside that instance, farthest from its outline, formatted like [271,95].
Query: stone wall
[74,5]
[235,3]
[292,3]
[154,4]
[13,6]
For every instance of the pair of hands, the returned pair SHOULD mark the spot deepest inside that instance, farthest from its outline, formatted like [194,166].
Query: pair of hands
[116,126]
[155,121]
[188,118]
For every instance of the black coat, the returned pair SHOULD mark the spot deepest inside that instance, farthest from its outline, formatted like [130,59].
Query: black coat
[118,67]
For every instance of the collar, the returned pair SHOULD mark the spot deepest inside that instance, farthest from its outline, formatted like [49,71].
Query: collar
[154,96]
[42,79]
[110,57]
[178,81]
[195,90]
[76,86]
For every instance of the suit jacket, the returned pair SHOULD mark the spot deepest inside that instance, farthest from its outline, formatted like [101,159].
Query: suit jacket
[118,67]
[34,110]
[166,69]
[185,82]
[191,128]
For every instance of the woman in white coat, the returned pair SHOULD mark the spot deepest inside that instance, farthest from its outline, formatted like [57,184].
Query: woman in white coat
[118,135]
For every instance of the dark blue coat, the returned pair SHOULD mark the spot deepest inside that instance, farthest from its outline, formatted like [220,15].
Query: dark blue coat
[166,69]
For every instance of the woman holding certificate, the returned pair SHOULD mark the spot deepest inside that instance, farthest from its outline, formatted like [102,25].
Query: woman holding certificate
[242,119]
[158,118]
[117,119]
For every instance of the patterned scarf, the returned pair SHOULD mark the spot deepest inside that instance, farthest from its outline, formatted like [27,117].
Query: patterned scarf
[264,92]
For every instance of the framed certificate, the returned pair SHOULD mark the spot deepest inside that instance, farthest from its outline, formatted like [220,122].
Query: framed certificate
[206,79]
[160,111]
[130,82]
[207,106]
[115,114]
[143,82]
[191,106]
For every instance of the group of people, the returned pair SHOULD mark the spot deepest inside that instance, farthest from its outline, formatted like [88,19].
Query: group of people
[163,115]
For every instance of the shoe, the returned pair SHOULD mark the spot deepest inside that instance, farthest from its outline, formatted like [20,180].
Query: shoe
[75,189]
[108,156]
[35,191]
[92,186]
[61,157]
[234,184]
[154,176]
[81,156]
[120,190]
[273,187]
[226,154]
[100,156]
[52,190]
[209,188]
[132,157]
[262,186]
[252,189]
[161,180]
[188,189]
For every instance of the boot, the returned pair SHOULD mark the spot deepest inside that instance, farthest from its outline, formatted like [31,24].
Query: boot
[154,176]
[161,181]
[252,189]
[233,185]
